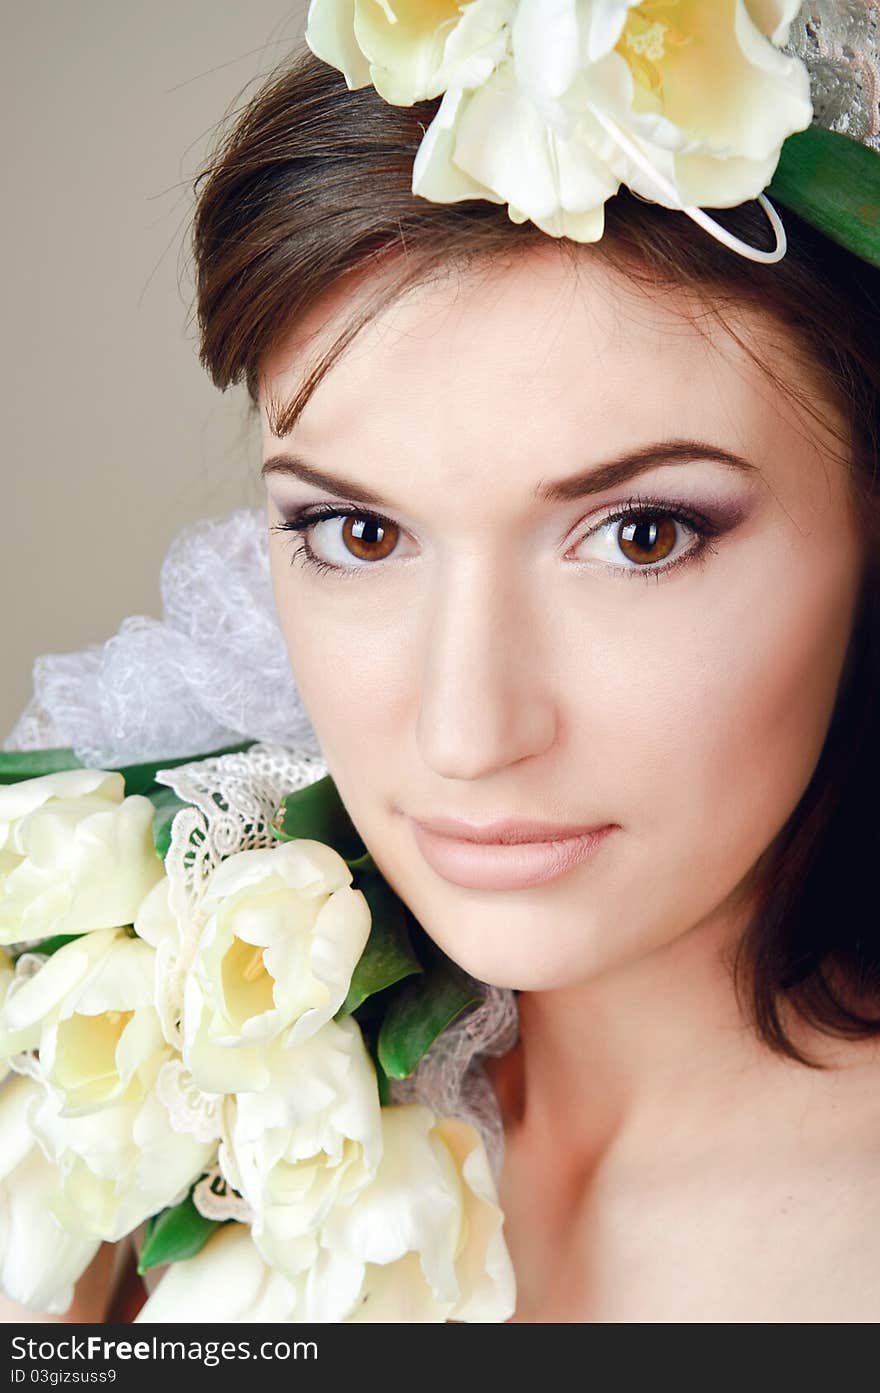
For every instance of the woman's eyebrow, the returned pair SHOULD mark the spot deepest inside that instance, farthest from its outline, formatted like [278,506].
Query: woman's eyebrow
[333,483]
[594,480]
[638,461]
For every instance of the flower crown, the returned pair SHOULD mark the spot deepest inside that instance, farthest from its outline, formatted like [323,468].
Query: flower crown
[550,106]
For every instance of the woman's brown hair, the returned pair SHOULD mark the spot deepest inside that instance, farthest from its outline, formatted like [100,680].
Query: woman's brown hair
[314,181]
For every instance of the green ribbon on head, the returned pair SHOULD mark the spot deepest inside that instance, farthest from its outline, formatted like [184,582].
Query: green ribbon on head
[833,183]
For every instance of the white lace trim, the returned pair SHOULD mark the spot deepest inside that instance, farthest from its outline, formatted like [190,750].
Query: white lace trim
[235,797]
[190,1111]
[216,1199]
[450,1078]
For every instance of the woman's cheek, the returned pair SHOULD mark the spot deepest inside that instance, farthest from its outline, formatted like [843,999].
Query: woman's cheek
[750,734]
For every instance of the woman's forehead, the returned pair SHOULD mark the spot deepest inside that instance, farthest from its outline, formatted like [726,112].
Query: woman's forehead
[539,344]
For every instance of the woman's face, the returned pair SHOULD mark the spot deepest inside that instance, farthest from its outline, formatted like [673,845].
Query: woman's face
[484,637]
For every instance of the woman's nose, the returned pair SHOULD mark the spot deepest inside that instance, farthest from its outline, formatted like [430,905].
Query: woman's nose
[485,691]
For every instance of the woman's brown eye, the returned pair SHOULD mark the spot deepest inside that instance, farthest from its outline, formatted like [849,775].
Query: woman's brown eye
[368,539]
[648,540]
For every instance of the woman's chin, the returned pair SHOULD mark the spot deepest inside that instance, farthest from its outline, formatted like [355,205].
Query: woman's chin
[533,966]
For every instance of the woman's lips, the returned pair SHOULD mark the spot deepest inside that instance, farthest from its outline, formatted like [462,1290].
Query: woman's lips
[504,866]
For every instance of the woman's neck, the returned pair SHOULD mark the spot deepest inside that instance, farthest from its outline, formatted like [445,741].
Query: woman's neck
[659,1045]
[652,1141]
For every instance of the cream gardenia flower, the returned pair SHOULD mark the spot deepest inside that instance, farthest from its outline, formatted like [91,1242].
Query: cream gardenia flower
[549,105]
[283,933]
[39,1260]
[76,855]
[311,1139]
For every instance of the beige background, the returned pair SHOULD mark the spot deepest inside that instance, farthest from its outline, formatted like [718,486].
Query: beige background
[113,437]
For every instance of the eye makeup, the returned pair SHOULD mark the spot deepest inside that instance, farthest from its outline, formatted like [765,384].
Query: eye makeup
[637,512]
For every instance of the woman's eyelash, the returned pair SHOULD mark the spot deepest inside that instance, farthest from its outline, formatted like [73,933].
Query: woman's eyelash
[637,509]
[640,509]
[303,521]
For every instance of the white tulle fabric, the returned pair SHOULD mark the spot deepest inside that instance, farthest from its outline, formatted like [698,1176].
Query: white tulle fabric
[212,672]
[451,1078]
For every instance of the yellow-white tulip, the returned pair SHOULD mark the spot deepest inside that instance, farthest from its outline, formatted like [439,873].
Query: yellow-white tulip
[76,855]
[226,1282]
[120,1164]
[39,1260]
[549,105]
[7,972]
[410,49]
[284,931]
[424,1241]
[310,1140]
[89,1011]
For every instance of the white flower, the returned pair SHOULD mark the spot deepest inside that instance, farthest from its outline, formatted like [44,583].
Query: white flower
[75,855]
[226,1282]
[549,105]
[40,985]
[7,973]
[311,1139]
[120,1164]
[89,1010]
[157,924]
[99,1117]
[39,1260]
[424,1241]
[283,934]
[410,50]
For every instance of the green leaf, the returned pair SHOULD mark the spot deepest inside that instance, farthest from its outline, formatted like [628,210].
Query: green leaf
[833,182]
[388,956]
[175,1234]
[421,1011]
[49,945]
[18,765]
[318,812]
[166,806]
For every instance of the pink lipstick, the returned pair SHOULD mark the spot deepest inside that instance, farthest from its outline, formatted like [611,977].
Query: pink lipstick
[504,855]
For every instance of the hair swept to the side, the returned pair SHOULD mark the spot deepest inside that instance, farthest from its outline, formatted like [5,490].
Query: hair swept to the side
[313,181]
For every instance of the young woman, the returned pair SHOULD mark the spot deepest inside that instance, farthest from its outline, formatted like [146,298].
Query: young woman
[575,549]
[575,552]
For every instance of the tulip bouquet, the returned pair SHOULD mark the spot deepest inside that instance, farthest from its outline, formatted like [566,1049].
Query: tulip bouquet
[202,1050]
